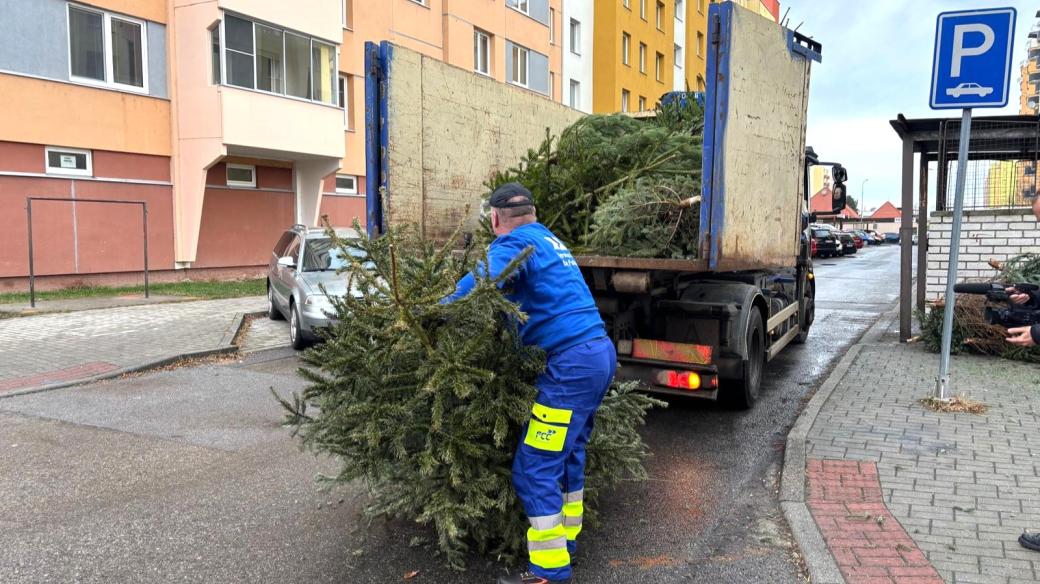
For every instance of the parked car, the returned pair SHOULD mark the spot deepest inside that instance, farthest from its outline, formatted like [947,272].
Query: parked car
[848,244]
[891,238]
[857,238]
[827,244]
[875,236]
[870,237]
[302,281]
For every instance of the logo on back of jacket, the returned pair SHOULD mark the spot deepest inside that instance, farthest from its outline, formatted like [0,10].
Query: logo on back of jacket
[562,252]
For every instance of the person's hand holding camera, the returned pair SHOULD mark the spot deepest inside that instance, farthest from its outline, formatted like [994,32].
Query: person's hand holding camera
[1017,297]
[1021,336]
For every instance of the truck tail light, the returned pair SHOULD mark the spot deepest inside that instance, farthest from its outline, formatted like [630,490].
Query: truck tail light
[686,380]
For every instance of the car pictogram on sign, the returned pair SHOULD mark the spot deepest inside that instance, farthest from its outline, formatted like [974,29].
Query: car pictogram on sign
[969,89]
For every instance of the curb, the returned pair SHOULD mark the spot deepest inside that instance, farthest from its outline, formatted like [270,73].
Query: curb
[226,347]
[823,569]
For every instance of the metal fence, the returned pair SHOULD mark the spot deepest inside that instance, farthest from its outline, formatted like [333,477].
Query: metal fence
[1001,166]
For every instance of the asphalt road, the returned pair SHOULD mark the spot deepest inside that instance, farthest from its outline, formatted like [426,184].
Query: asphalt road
[186,476]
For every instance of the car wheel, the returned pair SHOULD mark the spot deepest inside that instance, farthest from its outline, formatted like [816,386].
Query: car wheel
[296,335]
[744,393]
[272,309]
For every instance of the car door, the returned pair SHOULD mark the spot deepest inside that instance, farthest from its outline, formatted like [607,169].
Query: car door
[287,275]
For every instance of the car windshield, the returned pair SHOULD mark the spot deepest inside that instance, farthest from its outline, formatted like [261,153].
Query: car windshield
[821,232]
[321,255]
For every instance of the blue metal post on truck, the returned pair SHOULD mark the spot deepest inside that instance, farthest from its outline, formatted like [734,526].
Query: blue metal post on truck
[703,327]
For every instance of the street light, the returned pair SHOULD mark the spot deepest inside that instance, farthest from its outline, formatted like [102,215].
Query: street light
[862,194]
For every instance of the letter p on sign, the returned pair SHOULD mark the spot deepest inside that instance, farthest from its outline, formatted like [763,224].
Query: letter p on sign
[971,66]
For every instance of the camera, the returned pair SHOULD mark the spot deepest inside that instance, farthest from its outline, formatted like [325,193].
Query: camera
[1011,317]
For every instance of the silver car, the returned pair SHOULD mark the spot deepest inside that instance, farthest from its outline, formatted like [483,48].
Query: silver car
[302,276]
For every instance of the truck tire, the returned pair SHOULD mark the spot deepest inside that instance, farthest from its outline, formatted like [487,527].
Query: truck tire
[744,393]
[805,319]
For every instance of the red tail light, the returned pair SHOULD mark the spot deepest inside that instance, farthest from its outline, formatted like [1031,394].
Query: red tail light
[686,380]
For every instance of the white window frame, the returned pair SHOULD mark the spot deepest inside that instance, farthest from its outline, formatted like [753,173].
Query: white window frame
[106,41]
[477,35]
[626,49]
[89,171]
[575,94]
[240,183]
[659,65]
[346,8]
[627,4]
[678,55]
[659,15]
[521,6]
[574,36]
[344,82]
[421,3]
[526,83]
[626,97]
[285,80]
[552,26]
[642,57]
[642,103]
[642,9]
[679,6]
[700,6]
[340,191]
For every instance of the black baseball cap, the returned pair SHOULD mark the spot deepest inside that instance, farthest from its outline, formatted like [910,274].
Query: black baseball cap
[501,198]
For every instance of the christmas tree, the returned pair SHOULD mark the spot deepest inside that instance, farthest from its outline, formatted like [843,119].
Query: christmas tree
[424,402]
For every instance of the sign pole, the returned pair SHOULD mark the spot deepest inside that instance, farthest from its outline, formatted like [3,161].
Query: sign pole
[942,384]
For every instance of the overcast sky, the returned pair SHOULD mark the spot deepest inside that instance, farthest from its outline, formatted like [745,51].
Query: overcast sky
[877,61]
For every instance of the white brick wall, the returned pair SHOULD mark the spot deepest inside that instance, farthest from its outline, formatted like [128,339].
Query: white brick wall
[985,235]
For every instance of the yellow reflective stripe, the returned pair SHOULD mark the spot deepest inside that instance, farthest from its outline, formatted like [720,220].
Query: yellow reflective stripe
[545,437]
[551,415]
[547,548]
[572,516]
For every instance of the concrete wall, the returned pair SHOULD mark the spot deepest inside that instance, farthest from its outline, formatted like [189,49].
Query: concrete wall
[450,133]
[985,235]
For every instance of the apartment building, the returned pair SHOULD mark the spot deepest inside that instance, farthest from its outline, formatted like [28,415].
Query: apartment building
[634,48]
[1029,72]
[578,23]
[231,119]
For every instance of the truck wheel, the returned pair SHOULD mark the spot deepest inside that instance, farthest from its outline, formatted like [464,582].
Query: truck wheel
[744,393]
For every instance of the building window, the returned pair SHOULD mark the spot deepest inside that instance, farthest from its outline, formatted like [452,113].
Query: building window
[520,65]
[642,103]
[642,57]
[660,16]
[106,49]
[346,184]
[265,58]
[346,101]
[214,40]
[420,2]
[552,25]
[520,6]
[552,85]
[575,37]
[624,100]
[642,9]
[575,97]
[241,175]
[700,44]
[678,56]
[68,161]
[700,6]
[481,52]
[626,47]
[700,83]
[627,4]
[679,12]
[659,67]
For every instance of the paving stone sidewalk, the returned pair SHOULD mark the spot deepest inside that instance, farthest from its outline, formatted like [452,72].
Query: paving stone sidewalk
[903,494]
[51,349]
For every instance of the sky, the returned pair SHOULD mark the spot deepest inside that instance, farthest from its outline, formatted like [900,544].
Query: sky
[877,63]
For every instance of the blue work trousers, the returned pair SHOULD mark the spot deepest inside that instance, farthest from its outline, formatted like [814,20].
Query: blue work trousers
[549,467]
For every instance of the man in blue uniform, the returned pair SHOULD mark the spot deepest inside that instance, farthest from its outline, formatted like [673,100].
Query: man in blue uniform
[549,467]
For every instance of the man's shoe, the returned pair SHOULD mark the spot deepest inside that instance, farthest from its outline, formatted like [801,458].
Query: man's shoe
[529,578]
[1030,540]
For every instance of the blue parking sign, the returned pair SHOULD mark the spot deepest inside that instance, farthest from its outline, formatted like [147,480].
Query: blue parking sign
[972,63]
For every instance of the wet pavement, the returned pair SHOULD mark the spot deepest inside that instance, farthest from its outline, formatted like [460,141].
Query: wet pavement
[184,475]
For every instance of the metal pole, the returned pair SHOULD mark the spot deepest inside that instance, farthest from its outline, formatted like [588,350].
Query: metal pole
[922,232]
[145,220]
[32,271]
[942,384]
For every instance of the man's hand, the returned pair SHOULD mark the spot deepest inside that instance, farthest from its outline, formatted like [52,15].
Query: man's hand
[1020,336]
[1015,296]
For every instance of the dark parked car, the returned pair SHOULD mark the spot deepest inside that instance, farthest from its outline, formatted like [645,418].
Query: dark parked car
[848,244]
[827,245]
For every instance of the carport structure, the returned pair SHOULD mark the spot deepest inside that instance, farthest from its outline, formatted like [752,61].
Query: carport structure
[1012,139]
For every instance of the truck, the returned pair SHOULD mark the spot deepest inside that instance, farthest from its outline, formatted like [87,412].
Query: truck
[704,327]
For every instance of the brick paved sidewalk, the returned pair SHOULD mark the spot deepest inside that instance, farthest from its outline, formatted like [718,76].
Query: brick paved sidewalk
[902,494]
[55,349]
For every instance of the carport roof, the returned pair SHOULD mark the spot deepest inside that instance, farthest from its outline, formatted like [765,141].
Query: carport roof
[926,134]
